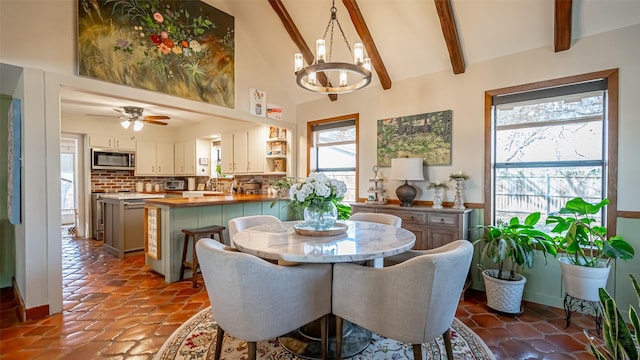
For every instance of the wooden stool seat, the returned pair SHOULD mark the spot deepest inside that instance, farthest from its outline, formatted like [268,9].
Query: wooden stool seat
[197,234]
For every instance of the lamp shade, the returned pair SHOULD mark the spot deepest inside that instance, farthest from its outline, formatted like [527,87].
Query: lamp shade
[407,169]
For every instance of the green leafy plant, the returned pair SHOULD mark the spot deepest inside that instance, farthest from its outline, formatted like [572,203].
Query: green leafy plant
[620,344]
[516,243]
[585,242]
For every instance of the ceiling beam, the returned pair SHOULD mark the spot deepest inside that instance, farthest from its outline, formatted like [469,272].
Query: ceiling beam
[297,38]
[363,31]
[450,33]
[562,26]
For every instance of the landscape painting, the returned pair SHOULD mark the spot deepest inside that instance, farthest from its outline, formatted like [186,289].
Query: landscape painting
[425,135]
[181,48]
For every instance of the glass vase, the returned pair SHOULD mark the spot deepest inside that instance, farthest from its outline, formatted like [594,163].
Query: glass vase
[320,215]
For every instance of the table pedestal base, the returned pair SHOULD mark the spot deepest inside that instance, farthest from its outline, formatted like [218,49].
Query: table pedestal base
[305,341]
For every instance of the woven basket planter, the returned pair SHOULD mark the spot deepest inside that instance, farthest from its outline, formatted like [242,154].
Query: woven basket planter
[503,295]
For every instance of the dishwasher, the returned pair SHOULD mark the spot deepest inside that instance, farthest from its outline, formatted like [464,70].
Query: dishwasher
[133,225]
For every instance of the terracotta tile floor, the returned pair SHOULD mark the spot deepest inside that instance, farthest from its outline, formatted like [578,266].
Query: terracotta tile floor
[120,309]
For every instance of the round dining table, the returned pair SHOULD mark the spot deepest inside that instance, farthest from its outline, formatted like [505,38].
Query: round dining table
[359,242]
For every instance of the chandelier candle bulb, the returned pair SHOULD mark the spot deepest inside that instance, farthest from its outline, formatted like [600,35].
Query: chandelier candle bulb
[321,51]
[358,53]
[367,64]
[312,78]
[343,78]
[297,62]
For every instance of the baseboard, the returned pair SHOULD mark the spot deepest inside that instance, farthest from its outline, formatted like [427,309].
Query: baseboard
[25,314]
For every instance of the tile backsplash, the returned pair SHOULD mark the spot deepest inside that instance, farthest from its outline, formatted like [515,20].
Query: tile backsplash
[125,180]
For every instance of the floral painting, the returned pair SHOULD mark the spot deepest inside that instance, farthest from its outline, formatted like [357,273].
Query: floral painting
[425,135]
[257,102]
[181,48]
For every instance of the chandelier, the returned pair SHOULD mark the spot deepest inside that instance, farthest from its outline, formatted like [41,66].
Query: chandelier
[351,76]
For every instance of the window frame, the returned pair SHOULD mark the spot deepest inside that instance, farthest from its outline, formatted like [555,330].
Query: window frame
[611,140]
[310,133]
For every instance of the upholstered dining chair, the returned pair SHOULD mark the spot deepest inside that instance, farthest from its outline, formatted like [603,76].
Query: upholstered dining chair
[412,302]
[254,300]
[241,223]
[378,218]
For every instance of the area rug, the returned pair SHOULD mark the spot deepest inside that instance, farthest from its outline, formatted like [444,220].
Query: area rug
[195,340]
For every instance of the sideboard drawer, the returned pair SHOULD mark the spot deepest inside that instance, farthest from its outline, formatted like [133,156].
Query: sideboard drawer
[408,217]
[444,220]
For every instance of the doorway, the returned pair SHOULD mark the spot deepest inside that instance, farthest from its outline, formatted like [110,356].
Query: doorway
[71,180]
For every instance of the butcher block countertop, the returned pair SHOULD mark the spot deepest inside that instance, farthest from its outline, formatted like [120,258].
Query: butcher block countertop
[209,200]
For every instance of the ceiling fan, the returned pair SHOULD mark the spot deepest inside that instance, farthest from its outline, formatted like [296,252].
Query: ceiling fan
[132,115]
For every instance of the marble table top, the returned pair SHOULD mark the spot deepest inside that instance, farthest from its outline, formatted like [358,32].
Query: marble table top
[362,241]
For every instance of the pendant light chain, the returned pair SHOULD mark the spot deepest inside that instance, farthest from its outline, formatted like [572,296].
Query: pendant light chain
[334,19]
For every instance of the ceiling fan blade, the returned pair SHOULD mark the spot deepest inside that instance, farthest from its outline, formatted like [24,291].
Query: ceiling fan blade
[155,122]
[109,116]
[157,117]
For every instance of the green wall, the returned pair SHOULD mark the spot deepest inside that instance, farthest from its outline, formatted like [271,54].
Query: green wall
[7,238]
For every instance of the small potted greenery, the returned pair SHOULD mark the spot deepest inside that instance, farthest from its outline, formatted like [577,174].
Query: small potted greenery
[588,248]
[511,245]
[619,342]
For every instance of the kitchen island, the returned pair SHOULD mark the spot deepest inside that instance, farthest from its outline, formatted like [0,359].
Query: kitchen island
[165,219]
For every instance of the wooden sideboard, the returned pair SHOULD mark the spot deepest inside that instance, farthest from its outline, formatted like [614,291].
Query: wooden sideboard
[432,227]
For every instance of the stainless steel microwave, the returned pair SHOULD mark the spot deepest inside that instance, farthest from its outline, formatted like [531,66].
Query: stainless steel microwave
[107,159]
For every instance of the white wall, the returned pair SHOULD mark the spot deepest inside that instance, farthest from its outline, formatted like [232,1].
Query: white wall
[49,63]
[464,94]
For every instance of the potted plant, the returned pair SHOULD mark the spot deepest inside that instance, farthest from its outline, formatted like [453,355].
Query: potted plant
[588,248]
[511,245]
[619,343]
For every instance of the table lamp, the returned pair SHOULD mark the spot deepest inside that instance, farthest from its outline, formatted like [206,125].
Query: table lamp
[406,169]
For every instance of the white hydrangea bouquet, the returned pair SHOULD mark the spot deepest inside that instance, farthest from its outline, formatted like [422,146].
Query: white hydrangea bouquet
[319,192]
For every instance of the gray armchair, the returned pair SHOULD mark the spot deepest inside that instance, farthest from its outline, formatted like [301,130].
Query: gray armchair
[378,218]
[412,302]
[241,223]
[254,300]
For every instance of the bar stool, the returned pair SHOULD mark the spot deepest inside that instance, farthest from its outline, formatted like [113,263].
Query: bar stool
[197,234]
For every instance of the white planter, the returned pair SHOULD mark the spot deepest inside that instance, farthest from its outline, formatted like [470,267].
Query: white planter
[583,282]
[504,295]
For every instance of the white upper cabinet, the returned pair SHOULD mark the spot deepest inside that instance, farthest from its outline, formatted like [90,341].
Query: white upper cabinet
[192,157]
[242,152]
[110,142]
[154,159]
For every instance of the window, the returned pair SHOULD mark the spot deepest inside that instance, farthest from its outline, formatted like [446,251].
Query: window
[551,142]
[333,149]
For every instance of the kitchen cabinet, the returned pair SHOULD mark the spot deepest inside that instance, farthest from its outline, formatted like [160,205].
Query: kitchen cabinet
[432,227]
[188,156]
[243,151]
[154,159]
[109,142]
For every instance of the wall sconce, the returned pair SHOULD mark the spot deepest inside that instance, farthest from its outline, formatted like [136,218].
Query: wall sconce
[406,169]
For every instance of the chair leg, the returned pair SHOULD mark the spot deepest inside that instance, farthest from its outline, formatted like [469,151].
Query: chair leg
[447,344]
[219,339]
[417,351]
[185,246]
[194,263]
[252,350]
[339,324]
[324,335]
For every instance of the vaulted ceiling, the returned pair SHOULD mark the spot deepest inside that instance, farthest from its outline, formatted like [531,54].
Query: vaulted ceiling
[411,38]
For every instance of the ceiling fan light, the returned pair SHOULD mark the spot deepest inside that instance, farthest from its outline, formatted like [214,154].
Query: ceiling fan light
[125,123]
[138,125]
